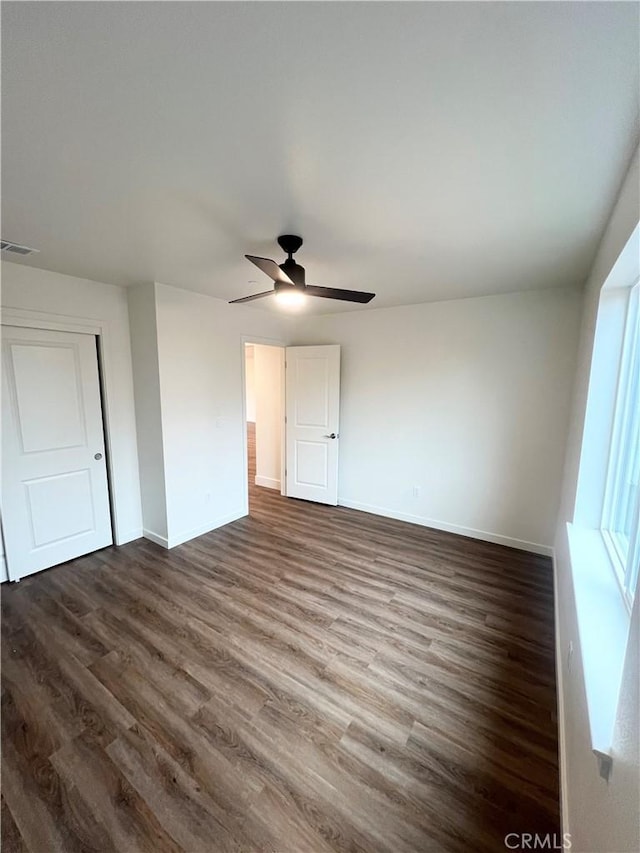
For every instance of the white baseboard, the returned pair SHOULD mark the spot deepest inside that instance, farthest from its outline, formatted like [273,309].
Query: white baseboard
[129,536]
[4,574]
[562,731]
[268,482]
[155,537]
[485,536]
[205,528]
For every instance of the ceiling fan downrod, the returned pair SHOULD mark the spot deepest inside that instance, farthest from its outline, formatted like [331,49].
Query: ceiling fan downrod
[290,243]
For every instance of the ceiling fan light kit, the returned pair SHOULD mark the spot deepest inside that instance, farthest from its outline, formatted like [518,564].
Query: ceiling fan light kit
[290,297]
[289,279]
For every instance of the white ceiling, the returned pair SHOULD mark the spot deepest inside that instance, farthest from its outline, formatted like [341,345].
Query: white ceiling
[423,150]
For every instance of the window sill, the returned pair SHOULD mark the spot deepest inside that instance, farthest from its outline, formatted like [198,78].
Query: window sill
[603,628]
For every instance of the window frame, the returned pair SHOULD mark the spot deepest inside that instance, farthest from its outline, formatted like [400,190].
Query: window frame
[626,423]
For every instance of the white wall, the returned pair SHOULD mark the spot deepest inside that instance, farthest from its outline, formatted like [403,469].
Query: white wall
[600,816]
[146,376]
[4,575]
[269,366]
[250,383]
[467,401]
[200,353]
[43,297]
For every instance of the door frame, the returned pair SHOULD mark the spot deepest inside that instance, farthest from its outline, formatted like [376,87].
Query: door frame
[265,342]
[100,330]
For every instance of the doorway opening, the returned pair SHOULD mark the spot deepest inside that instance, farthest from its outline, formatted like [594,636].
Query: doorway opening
[264,413]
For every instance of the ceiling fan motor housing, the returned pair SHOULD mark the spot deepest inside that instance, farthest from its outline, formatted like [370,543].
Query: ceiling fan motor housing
[294,271]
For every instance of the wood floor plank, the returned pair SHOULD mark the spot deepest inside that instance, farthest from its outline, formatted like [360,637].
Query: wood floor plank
[12,841]
[286,819]
[307,679]
[69,696]
[129,822]
[49,814]
[187,813]
[58,625]
[162,716]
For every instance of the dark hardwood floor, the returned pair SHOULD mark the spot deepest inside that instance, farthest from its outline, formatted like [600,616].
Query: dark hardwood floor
[308,678]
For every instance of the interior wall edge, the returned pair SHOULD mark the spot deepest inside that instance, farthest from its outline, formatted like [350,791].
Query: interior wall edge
[214,524]
[130,536]
[560,704]
[156,537]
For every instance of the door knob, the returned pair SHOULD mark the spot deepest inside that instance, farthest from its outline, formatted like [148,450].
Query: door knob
[333,435]
[98,456]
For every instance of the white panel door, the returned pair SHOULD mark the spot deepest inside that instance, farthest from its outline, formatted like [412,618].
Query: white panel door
[312,427]
[55,498]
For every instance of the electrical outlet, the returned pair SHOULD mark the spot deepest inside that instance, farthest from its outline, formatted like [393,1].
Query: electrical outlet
[416,491]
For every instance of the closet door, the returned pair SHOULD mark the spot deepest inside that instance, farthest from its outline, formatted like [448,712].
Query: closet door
[55,497]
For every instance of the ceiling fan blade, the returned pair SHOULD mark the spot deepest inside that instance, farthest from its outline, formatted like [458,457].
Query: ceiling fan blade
[271,268]
[337,293]
[255,296]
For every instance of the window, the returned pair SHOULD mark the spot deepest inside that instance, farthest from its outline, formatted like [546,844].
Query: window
[620,521]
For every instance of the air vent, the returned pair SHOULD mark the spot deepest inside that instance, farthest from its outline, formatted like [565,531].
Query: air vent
[16,248]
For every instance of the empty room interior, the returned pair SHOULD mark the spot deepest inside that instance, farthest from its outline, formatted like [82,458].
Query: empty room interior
[320,501]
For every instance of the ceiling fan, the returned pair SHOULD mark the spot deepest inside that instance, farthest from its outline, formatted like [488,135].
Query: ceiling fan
[289,279]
